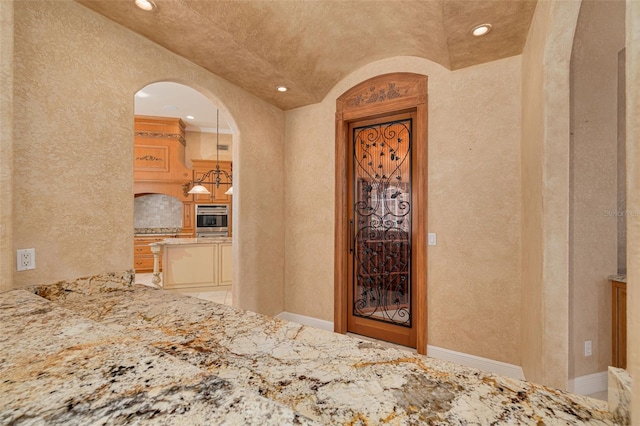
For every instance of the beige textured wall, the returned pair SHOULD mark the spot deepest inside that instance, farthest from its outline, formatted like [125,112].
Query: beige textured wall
[531,170]
[545,193]
[474,204]
[7,259]
[202,146]
[594,189]
[76,76]
[633,200]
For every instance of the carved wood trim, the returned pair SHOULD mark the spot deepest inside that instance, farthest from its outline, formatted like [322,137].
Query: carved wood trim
[381,96]
[162,135]
[151,158]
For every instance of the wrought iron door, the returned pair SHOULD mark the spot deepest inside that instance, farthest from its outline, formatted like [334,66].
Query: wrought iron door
[381,288]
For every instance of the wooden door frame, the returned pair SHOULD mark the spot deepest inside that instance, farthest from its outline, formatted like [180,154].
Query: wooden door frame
[378,96]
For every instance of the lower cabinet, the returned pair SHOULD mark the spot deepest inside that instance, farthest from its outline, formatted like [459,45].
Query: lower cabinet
[188,220]
[226,264]
[142,256]
[197,265]
[619,324]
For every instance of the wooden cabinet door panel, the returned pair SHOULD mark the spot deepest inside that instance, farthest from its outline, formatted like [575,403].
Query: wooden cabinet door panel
[619,324]
[201,167]
[151,158]
[226,264]
[142,255]
[188,213]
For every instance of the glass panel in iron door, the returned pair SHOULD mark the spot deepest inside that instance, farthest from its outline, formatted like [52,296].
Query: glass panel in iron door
[382,214]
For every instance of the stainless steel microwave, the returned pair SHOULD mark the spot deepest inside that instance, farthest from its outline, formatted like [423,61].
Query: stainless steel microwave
[212,218]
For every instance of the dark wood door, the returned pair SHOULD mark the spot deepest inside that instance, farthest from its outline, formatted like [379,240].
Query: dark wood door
[381,297]
[381,222]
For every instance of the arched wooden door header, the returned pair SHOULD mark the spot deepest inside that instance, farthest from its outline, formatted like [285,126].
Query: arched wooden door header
[381,96]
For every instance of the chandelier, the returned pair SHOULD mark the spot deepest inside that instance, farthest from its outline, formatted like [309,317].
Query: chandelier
[217,177]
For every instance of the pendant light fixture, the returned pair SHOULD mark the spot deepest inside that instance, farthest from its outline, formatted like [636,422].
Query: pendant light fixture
[219,177]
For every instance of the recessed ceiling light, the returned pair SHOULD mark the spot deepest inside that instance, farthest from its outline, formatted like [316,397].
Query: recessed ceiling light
[147,5]
[481,30]
[281,89]
[190,117]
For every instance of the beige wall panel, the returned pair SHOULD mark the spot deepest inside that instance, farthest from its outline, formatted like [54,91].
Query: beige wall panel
[7,257]
[594,152]
[633,200]
[76,76]
[474,204]
[532,188]
[545,193]
[202,146]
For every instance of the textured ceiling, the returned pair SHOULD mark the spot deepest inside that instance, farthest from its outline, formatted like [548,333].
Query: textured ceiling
[310,45]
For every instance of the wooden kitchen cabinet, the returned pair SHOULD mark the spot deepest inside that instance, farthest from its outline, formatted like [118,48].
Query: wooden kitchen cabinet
[226,264]
[200,264]
[200,168]
[158,160]
[188,219]
[142,256]
[619,324]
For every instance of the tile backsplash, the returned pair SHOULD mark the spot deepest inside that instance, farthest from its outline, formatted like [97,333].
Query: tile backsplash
[157,211]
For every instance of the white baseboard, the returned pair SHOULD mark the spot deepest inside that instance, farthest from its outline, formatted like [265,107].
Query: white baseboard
[485,364]
[589,384]
[304,320]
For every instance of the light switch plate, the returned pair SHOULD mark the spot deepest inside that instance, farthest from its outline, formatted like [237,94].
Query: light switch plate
[431,239]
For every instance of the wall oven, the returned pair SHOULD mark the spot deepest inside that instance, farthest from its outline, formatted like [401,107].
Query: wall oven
[212,220]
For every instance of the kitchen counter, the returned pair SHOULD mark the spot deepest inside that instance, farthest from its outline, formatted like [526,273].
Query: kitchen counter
[621,278]
[59,367]
[190,264]
[217,353]
[185,241]
[157,231]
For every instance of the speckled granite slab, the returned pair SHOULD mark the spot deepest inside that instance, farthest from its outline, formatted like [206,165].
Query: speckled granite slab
[621,278]
[619,384]
[189,241]
[57,367]
[330,378]
[159,231]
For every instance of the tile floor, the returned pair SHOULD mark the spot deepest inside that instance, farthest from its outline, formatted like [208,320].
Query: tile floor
[224,297]
[383,343]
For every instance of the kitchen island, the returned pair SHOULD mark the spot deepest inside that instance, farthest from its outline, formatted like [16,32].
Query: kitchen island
[95,346]
[190,264]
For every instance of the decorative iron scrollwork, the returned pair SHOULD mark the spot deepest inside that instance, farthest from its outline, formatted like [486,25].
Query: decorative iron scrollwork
[382,210]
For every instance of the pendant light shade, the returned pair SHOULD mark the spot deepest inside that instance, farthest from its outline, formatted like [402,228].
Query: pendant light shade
[199,189]
[217,176]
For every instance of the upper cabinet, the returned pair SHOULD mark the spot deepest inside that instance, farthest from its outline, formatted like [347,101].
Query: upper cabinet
[200,168]
[158,160]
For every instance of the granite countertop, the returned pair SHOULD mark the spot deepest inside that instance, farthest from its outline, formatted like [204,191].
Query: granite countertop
[157,231]
[185,241]
[622,278]
[216,352]
[58,367]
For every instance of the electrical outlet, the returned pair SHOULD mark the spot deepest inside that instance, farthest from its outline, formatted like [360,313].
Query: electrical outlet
[26,259]
[587,348]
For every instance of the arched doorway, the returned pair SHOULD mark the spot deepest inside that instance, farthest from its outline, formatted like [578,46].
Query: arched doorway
[381,210]
[180,135]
